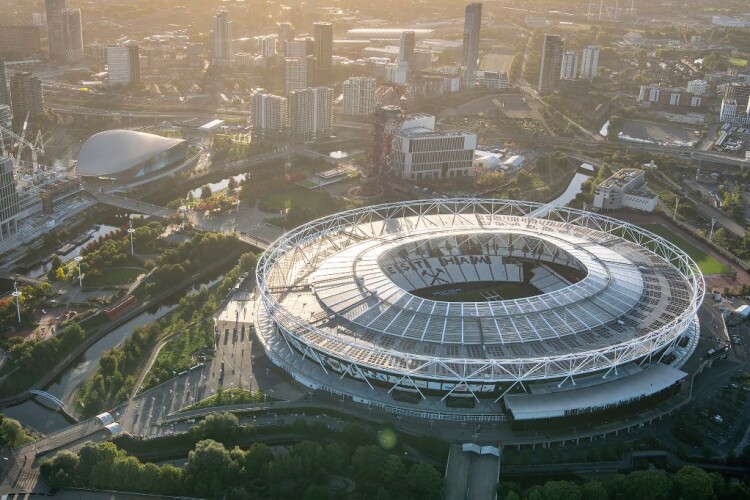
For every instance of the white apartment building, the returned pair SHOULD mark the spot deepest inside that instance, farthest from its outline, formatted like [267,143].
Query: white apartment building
[590,62]
[299,73]
[123,64]
[223,44]
[310,114]
[359,96]
[268,115]
[625,189]
[569,66]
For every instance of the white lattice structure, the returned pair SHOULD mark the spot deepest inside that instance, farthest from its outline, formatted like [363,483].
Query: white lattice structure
[344,293]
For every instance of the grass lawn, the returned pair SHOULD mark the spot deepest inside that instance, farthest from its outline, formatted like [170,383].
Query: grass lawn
[297,198]
[706,263]
[118,275]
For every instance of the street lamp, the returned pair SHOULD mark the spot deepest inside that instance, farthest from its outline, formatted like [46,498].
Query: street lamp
[130,232]
[17,295]
[78,260]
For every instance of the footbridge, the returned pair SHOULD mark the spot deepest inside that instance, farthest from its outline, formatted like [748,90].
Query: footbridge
[137,206]
[48,398]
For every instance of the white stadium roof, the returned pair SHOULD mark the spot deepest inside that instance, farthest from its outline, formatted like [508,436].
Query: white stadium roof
[115,151]
[343,286]
[596,397]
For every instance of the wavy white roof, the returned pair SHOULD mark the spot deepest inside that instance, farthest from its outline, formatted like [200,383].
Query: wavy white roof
[114,151]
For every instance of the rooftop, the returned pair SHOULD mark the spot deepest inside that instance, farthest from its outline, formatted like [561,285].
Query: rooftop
[114,151]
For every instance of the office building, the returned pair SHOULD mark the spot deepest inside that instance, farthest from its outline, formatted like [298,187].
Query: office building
[625,189]
[323,34]
[299,73]
[55,41]
[590,62]
[268,115]
[420,152]
[72,36]
[4,92]
[406,48]
[552,55]
[222,43]
[20,41]
[26,94]
[472,25]
[123,63]
[310,114]
[9,205]
[569,66]
[359,96]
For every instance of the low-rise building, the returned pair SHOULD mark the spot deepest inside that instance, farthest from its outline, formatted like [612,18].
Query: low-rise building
[625,189]
[420,152]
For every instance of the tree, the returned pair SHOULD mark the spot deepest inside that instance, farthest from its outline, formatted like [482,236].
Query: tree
[60,273]
[209,467]
[12,433]
[646,485]
[561,490]
[593,490]
[61,470]
[54,266]
[222,427]
[205,192]
[367,462]
[693,483]
[424,481]
[170,480]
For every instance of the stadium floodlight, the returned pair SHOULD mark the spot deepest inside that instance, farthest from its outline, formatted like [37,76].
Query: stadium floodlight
[17,295]
[130,232]
[78,260]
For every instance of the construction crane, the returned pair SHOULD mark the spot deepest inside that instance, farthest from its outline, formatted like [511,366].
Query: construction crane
[36,148]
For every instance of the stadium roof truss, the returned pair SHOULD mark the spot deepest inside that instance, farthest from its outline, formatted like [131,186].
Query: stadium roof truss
[303,250]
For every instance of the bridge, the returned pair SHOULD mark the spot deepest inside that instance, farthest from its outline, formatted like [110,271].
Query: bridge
[21,470]
[131,205]
[49,398]
[20,278]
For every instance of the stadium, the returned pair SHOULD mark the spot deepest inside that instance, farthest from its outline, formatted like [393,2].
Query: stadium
[125,157]
[480,310]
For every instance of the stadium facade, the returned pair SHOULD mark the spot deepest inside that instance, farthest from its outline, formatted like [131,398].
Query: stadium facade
[479,310]
[122,157]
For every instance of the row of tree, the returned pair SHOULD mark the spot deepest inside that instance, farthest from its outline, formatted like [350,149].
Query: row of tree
[113,250]
[688,483]
[116,375]
[32,296]
[308,470]
[33,357]
[176,264]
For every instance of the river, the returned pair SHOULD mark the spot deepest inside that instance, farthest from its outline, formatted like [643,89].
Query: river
[45,420]
[42,269]
[573,189]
